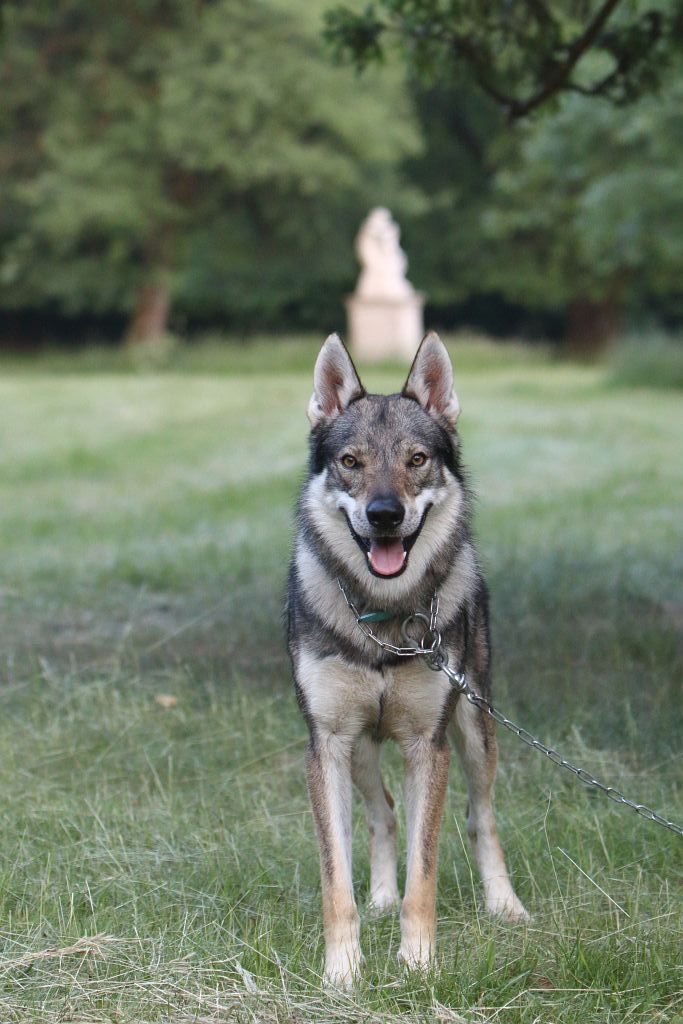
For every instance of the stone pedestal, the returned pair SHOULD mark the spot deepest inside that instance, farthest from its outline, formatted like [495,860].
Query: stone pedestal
[385,328]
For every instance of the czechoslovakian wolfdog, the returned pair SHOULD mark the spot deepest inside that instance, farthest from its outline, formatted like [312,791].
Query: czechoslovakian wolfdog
[385,512]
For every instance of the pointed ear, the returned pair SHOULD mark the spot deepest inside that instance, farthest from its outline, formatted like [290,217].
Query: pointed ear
[430,381]
[335,382]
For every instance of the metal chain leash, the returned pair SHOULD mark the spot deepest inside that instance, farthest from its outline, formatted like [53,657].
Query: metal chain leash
[429,646]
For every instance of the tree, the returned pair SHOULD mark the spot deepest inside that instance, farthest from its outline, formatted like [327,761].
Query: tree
[454,171]
[519,54]
[165,148]
[540,209]
[586,211]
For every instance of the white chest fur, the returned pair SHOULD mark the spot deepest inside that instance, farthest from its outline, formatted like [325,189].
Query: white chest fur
[404,702]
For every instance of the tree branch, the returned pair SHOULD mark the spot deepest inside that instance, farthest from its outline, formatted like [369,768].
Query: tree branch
[428,33]
[516,108]
[558,80]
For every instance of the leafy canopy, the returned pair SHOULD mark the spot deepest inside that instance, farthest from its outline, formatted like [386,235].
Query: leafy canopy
[589,202]
[519,54]
[191,142]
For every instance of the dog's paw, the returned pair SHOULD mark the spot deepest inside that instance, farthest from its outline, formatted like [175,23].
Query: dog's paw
[342,968]
[418,938]
[508,908]
[383,901]
[417,946]
[415,957]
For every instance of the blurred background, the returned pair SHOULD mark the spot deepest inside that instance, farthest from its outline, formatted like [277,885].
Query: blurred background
[178,167]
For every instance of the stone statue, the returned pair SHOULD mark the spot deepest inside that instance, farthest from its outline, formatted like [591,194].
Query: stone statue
[385,311]
[383,260]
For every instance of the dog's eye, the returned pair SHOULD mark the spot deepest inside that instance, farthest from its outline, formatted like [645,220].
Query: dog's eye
[418,459]
[349,461]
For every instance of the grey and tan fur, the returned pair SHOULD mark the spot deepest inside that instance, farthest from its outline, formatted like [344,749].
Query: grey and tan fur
[386,510]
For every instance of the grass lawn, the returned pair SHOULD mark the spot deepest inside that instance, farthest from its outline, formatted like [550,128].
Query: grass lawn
[157,856]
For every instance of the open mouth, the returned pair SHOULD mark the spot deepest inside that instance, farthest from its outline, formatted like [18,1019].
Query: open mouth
[387,556]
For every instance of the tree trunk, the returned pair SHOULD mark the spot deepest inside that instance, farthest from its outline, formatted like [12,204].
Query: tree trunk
[592,325]
[149,321]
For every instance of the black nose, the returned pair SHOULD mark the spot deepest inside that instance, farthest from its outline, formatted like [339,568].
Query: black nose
[385,511]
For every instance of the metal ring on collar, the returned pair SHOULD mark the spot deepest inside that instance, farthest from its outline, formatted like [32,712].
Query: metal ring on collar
[429,644]
[405,628]
[438,661]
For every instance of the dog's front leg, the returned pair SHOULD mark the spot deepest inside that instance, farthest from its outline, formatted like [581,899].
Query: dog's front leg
[328,772]
[425,794]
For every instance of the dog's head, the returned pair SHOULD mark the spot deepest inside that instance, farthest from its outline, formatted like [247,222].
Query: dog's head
[383,463]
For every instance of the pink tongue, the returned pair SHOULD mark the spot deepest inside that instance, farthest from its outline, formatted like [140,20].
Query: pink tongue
[387,556]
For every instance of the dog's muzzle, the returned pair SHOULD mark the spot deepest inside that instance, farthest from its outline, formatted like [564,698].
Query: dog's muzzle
[387,557]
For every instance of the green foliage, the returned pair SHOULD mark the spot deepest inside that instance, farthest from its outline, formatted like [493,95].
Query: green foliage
[455,170]
[520,55]
[210,151]
[573,212]
[588,202]
[188,143]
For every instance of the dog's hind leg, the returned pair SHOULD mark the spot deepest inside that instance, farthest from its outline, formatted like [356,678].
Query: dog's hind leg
[381,823]
[426,782]
[475,739]
[328,772]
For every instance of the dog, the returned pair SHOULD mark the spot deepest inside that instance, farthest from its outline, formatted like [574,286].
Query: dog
[385,515]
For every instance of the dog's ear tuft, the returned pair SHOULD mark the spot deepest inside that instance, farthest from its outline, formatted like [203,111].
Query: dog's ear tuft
[430,381]
[335,382]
